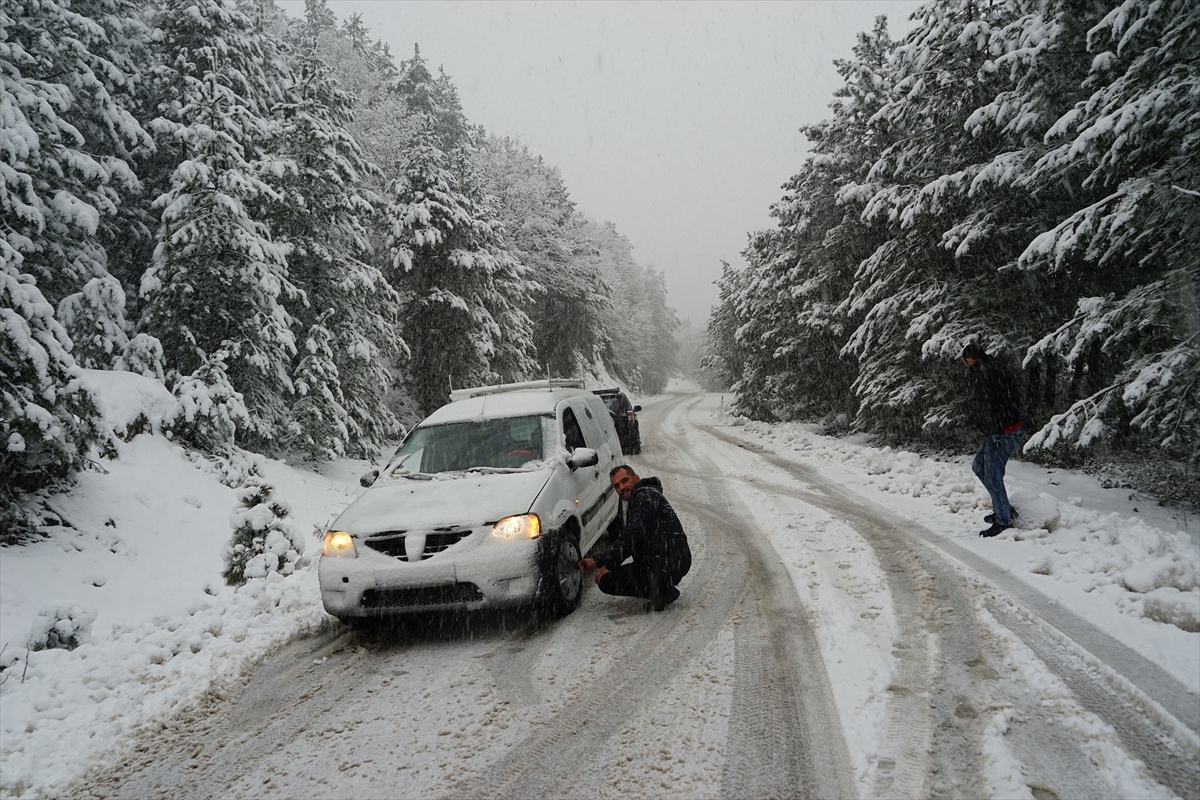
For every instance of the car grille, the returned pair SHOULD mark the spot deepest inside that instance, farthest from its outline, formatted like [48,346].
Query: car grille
[392,542]
[389,543]
[440,540]
[421,596]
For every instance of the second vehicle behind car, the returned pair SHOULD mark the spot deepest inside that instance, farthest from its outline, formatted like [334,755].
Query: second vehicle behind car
[624,417]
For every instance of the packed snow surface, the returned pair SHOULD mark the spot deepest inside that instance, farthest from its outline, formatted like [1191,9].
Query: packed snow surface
[132,571]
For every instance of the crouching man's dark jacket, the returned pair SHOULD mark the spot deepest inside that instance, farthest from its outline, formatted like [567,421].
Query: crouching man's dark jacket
[652,534]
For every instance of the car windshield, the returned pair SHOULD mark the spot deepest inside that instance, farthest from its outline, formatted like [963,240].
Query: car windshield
[507,443]
[612,402]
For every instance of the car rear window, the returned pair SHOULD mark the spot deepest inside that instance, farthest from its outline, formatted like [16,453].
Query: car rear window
[612,402]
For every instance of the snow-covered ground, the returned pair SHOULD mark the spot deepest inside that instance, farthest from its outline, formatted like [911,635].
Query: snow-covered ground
[1124,564]
[138,555]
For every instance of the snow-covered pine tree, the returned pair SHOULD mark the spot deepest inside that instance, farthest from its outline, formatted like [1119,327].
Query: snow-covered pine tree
[210,410]
[379,120]
[567,308]
[65,137]
[319,424]
[48,421]
[218,279]
[655,350]
[263,540]
[1128,359]
[346,325]
[640,324]
[792,321]
[92,318]
[940,277]
[725,357]
[462,291]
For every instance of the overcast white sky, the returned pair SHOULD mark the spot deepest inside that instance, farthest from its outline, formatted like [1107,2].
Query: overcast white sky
[676,121]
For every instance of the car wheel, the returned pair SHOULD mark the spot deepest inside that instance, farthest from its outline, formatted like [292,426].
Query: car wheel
[562,582]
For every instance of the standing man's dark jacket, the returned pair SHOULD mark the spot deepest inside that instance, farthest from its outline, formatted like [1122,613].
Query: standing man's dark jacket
[997,396]
[652,534]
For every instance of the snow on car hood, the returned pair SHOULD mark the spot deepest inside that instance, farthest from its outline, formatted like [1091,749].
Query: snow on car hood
[467,499]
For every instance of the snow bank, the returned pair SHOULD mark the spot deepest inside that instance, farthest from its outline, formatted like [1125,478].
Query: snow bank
[1120,555]
[129,573]
[130,404]
[63,708]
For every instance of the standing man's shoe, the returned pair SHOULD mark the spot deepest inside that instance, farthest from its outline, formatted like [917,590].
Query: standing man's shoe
[990,519]
[995,530]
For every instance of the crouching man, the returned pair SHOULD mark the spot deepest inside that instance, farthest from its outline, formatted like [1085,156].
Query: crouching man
[655,539]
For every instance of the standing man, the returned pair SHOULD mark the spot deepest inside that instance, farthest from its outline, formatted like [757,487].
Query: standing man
[652,535]
[998,401]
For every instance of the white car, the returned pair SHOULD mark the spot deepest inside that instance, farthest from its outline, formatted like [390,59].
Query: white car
[489,502]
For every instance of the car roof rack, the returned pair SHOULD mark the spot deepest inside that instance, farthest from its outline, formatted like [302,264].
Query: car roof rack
[545,383]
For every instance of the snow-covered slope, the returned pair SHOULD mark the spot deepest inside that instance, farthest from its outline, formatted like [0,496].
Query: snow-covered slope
[137,552]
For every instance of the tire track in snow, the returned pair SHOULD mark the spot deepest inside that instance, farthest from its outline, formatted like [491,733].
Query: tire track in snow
[547,762]
[770,751]
[785,734]
[1128,692]
[932,742]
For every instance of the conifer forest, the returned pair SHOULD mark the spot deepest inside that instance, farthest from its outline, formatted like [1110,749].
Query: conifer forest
[302,236]
[1025,175]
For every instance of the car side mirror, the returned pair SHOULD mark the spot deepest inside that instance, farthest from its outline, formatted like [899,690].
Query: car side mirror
[367,480]
[637,409]
[583,457]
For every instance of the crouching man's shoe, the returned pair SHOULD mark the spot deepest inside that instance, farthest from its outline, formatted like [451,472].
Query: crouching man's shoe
[663,600]
[995,530]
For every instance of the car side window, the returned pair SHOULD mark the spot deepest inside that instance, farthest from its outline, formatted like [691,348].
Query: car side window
[572,431]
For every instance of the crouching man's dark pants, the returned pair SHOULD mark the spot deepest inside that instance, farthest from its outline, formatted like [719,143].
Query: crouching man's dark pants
[635,580]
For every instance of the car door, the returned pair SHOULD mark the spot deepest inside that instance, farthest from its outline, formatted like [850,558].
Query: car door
[593,418]
[585,479]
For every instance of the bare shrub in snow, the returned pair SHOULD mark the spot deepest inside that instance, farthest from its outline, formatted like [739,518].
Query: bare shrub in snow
[61,626]
[1169,605]
[263,541]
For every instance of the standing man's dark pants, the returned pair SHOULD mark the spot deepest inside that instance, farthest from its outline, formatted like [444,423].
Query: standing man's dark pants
[635,580]
[989,466]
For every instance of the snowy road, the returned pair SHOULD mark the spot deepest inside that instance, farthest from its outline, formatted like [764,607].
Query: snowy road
[824,646]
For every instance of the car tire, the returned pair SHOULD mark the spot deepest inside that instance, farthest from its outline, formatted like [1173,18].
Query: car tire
[562,582]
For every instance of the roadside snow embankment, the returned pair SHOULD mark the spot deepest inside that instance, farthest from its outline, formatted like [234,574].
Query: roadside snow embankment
[63,707]
[129,573]
[1085,546]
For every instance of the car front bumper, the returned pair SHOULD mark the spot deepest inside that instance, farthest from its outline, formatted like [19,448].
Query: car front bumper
[491,574]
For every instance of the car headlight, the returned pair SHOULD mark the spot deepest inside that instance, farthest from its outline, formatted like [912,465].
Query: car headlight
[339,543]
[522,526]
